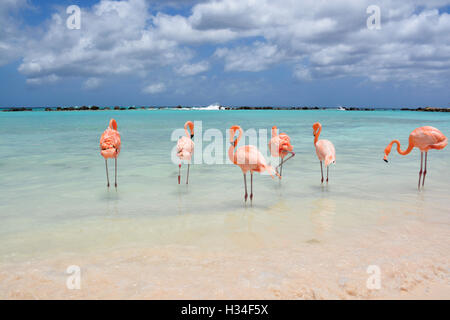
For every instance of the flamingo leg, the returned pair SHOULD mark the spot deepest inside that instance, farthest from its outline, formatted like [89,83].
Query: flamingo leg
[187,177]
[179,173]
[321,170]
[115,179]
[420,172]
[251,186]
[281,168]
[284,160]
[425,171]
[107,175]
[327,173]
[245,184]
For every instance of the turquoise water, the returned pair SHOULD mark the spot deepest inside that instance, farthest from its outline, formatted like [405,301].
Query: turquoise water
[55,200]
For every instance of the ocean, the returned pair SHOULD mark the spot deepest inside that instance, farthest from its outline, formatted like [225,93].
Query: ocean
[153,238]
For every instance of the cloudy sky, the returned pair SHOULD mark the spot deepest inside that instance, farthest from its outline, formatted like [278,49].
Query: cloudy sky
[234,52]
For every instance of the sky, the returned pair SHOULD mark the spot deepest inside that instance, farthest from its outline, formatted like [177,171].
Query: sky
[231,52]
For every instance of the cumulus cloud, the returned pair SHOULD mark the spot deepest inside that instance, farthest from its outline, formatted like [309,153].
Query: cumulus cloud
[92,83]
[114,39]
[192,69]
[11,37]
[154,88]
[316,39]
[257,57]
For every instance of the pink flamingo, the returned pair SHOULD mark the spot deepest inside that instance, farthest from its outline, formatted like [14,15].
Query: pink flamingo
[248,158]
[185,149]
[324,149]
[424,138]
[280,146]
[110,147]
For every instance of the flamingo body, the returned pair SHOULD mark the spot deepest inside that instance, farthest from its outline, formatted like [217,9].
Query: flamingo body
[426,138]
[325,151]
[185,148]
[249,158]
[280,146]
[110,141]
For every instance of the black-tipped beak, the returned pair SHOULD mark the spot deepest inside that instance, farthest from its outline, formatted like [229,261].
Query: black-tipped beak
[192,136]
[385,160]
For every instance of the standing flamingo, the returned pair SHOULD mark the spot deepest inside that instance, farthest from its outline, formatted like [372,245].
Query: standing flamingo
[185,149]
[248,158]
[110,147]
[424,138]
[324,149]
[280,146]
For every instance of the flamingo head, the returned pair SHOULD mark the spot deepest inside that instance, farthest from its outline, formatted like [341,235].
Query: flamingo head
[386,152]
[190,124]
[274,131]
[113,124]
[233,130]
[316,127]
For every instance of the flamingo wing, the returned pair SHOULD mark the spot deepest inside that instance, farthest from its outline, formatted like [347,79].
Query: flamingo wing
[185,148]
[427,137]
[110,143]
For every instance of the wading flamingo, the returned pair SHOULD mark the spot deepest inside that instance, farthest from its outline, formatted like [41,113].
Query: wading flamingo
[248,158]
[110,147]
[280,146]
[324,149]
[185,149]
[424,138]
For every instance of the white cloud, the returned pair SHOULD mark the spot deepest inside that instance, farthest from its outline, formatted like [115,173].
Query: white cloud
[11,37]
[257,57]
[317,39]
[92,83]
[154,88]
[192,69]
[114,40]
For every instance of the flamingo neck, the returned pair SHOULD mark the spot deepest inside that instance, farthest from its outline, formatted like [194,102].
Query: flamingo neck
[274,131]
[316,136]
[232,148]
[399,150]
[186,130]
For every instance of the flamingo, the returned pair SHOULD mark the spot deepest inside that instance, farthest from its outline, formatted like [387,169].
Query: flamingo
[185,149]
[248,158]
[324,149]
[280,146]
[110,147]
[424,138]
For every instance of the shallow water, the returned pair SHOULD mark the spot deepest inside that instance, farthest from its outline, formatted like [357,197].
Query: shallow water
[55,202]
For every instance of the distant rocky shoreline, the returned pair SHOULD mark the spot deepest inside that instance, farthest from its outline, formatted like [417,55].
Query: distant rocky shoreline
[95,108]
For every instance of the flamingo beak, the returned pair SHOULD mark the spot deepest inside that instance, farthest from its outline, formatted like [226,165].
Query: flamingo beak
[385,158]
[192,136]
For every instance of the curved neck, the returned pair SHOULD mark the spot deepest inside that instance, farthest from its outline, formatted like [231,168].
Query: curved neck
[232,148]
[113,124]
[403,153]
[316,136]
[186,130]
[274,131]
